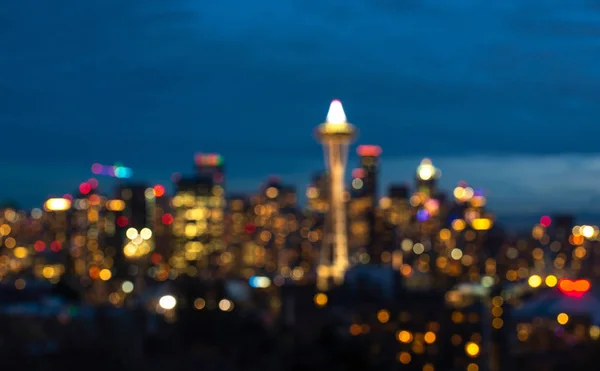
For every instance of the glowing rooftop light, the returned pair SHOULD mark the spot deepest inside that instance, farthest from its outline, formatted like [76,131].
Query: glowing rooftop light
[57,204]
[426,170]
[167,302]
[368,151]
[336,114]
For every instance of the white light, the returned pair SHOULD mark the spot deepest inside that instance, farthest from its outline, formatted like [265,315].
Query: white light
[131,233]
[127,287]
[146,233]
[226,305]
[167,302]
[336,113]
[426,172]
[259,282]
[587,231]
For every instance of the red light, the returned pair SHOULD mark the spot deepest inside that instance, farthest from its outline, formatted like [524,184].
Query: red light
[159,190]
[122,221]
[574,288]
[55,246]
[85,188]
[167,219]
[250,228]
[68,197]
[545,221]
[39,246]
[93,183]
[359,173]
[156,258]
[369,151]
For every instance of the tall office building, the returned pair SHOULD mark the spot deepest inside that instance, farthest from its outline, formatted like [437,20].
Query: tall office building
[363,206]
[198,225]
[240,229]
[427,176]
[369,163]
[210,165]
[52,249]
[335,135]
[86,237]
[134,212]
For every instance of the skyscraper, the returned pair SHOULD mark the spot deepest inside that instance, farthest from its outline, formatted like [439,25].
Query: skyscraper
[369,163]
[335,134]
[198,224]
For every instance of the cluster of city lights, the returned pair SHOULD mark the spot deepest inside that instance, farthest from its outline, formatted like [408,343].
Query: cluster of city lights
[115,171]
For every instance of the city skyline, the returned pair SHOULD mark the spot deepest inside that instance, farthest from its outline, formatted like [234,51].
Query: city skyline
[165,98]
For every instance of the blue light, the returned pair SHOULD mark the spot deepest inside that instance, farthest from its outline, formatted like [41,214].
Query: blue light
[259,282]
[253,281]
[122,172]
[422,215]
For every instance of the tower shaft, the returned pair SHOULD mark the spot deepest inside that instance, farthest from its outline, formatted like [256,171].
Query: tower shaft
[336,153]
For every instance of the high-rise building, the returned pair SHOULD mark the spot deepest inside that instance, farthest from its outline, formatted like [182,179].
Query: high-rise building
[198,225]
[52,249]
[335,135]
[369,163]
[135,238]
[363,205]
[210,165]
[240,229]
[427,176]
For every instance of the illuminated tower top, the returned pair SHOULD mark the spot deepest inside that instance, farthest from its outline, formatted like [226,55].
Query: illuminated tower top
[336,126]
[426,170]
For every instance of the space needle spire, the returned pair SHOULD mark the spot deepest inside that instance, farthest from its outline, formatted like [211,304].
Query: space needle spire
[335,134]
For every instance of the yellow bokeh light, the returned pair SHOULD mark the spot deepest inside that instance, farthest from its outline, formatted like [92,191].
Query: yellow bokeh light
[445,234]
[458,225]
[430,337]
[321,299]
[497,323]
[472,349]
[105,274]
[562,318]
[481,224]
[383,316]
[404,336]
[551,281]
[5,230]
[48,272]
[57,204]
[272,192]
[115,205]
[404,358]
[535,281]
[20,252]
[594,332]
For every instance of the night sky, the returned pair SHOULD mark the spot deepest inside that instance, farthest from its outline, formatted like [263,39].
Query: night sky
[501,94]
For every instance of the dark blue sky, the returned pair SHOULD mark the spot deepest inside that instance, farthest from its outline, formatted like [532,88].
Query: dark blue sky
[501,94]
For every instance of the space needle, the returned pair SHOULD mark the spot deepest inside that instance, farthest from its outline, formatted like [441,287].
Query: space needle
[335,134]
